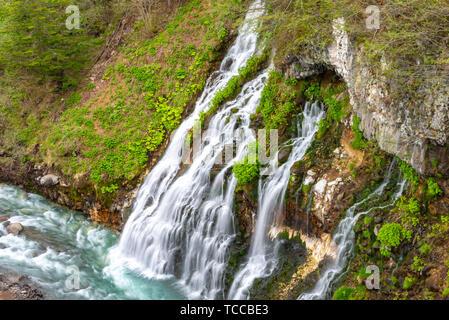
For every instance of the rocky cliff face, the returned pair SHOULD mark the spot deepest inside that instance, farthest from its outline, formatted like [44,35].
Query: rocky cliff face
[417,131]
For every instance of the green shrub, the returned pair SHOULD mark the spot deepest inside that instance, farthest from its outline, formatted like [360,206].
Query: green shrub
[368,220]
[313,92]
[283,235]
[418,264]
[323,126]
[408,282]
[390,235]
[433,189]
[155,138]
[343,293]
[306,188]
[425,249]
[246,172]
[408,172]
[385,252]
[347,293]
[410,211]
[358,142]
[335,107]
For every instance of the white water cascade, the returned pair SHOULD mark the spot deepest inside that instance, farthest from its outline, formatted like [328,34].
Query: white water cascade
[344,238]
[182,224]
[262,256]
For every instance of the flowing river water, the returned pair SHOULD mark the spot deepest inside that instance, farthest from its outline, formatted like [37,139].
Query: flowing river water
[55,241]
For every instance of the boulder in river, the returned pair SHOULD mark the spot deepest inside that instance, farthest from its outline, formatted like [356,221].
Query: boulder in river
[49,180]
[14,228]
[3,219]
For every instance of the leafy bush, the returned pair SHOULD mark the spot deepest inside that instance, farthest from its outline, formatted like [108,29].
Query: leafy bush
[408,172]
[323,126]
[445,292]
[343,293]
[278,101]
[347,293]
[408,282]
[433,189]
[418,264]
[410,211]
[155,137]
[335,107]
[425,249]
[246,172]
[306,188]
[313,92]
[390,235]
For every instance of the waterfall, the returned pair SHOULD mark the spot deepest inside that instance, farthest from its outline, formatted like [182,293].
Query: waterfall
[182,223]
[344,237]
[263,254]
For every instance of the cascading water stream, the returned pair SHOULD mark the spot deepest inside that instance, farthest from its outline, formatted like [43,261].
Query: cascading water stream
[182,226]
[263,254]
[344,238]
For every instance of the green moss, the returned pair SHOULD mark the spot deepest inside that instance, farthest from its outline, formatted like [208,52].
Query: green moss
[343,293]
[306,188]
[368,220]
[409,282]
[358,142]
[425,249]
[323,126]
[348,293]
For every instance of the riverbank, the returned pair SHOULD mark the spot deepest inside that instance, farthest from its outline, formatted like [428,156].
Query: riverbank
[19,287]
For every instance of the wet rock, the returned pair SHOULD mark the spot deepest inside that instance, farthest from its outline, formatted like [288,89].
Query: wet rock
[228,63]
[49,180]
[283,154]
[425,271]
[14,228]
[340,196]
[376,229]
[310,179]
[3,219]
[433,281]
[325,207]
[415,130]
[16,287]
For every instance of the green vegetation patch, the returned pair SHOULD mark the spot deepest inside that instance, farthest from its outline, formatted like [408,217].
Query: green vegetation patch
[246,171]
[150,86]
